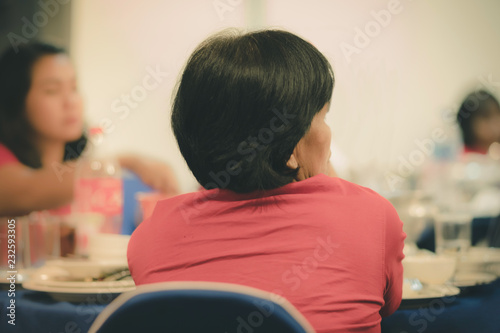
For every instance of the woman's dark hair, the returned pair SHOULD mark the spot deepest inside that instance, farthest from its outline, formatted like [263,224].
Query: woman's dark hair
[243,103]
[473,106]
[16,132]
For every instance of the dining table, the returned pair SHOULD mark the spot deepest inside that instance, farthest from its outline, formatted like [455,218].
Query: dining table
[475,310]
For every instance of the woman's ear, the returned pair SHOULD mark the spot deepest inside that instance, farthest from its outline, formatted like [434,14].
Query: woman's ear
[292,162]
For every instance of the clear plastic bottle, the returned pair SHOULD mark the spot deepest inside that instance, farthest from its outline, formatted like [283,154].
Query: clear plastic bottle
[98,202]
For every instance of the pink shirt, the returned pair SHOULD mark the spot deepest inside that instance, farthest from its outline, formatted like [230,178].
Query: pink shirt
[6,156]
[332,248]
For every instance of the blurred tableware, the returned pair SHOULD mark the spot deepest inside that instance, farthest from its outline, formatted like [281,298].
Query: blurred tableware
[472,279]
[427,295]
[76,280]
[478,259]
[472,181]
[486,202]
[86,225]
[69,291]
[416,210]
[415,284]
[117,275]
[76,269]
[98,192]
[453,232]
[410,249]
[48,271]
[98,186]
[34,242]
[108,247]
[429,269]
[65,235]
[474,172]
[427,291]
[147,202]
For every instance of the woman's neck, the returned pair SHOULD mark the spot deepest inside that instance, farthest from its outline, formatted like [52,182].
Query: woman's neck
[50,151]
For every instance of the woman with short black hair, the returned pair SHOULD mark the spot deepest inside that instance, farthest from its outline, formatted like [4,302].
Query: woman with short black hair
[263,101]
[249,117]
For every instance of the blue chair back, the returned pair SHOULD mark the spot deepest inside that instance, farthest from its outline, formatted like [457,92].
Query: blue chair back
[200,307]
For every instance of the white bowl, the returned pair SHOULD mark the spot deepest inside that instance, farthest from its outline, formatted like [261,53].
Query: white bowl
[429,269]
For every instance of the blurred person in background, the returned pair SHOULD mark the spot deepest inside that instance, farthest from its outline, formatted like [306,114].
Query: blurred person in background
[479,121]
[474,187]
[41,123]
[249,118]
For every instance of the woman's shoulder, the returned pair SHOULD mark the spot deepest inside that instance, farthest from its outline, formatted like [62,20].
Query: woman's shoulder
[346,187]
[362,196]
[6,156]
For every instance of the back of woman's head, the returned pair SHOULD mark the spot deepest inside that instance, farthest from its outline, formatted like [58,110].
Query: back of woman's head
[473,106]
[243,103]
[16,67]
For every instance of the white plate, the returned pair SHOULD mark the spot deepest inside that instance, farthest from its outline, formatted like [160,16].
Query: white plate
[429,294]
[85,285]
[80,269]
[104,290]
[472,279]
[21,275]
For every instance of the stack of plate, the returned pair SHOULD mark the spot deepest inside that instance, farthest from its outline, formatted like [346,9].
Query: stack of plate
[480,265]
[72,280]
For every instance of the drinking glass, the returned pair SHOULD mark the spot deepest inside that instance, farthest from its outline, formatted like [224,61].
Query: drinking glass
[453,232]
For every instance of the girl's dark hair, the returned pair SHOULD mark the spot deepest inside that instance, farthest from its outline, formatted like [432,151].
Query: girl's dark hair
[16,132]
[473,106]
[244,102]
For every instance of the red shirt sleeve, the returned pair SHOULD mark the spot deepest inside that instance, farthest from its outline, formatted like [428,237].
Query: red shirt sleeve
[6,156]
[394,242]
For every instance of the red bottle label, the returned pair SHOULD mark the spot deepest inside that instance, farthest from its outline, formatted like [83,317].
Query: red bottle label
[99,195]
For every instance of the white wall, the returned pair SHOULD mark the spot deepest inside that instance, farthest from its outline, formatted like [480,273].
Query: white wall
[115,41]
[390,94]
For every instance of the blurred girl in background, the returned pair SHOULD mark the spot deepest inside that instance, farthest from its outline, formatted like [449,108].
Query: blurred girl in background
[41,125]
[479,121]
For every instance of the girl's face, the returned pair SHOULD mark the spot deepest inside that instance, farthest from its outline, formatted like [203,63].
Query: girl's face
[53,104]
[486,125]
